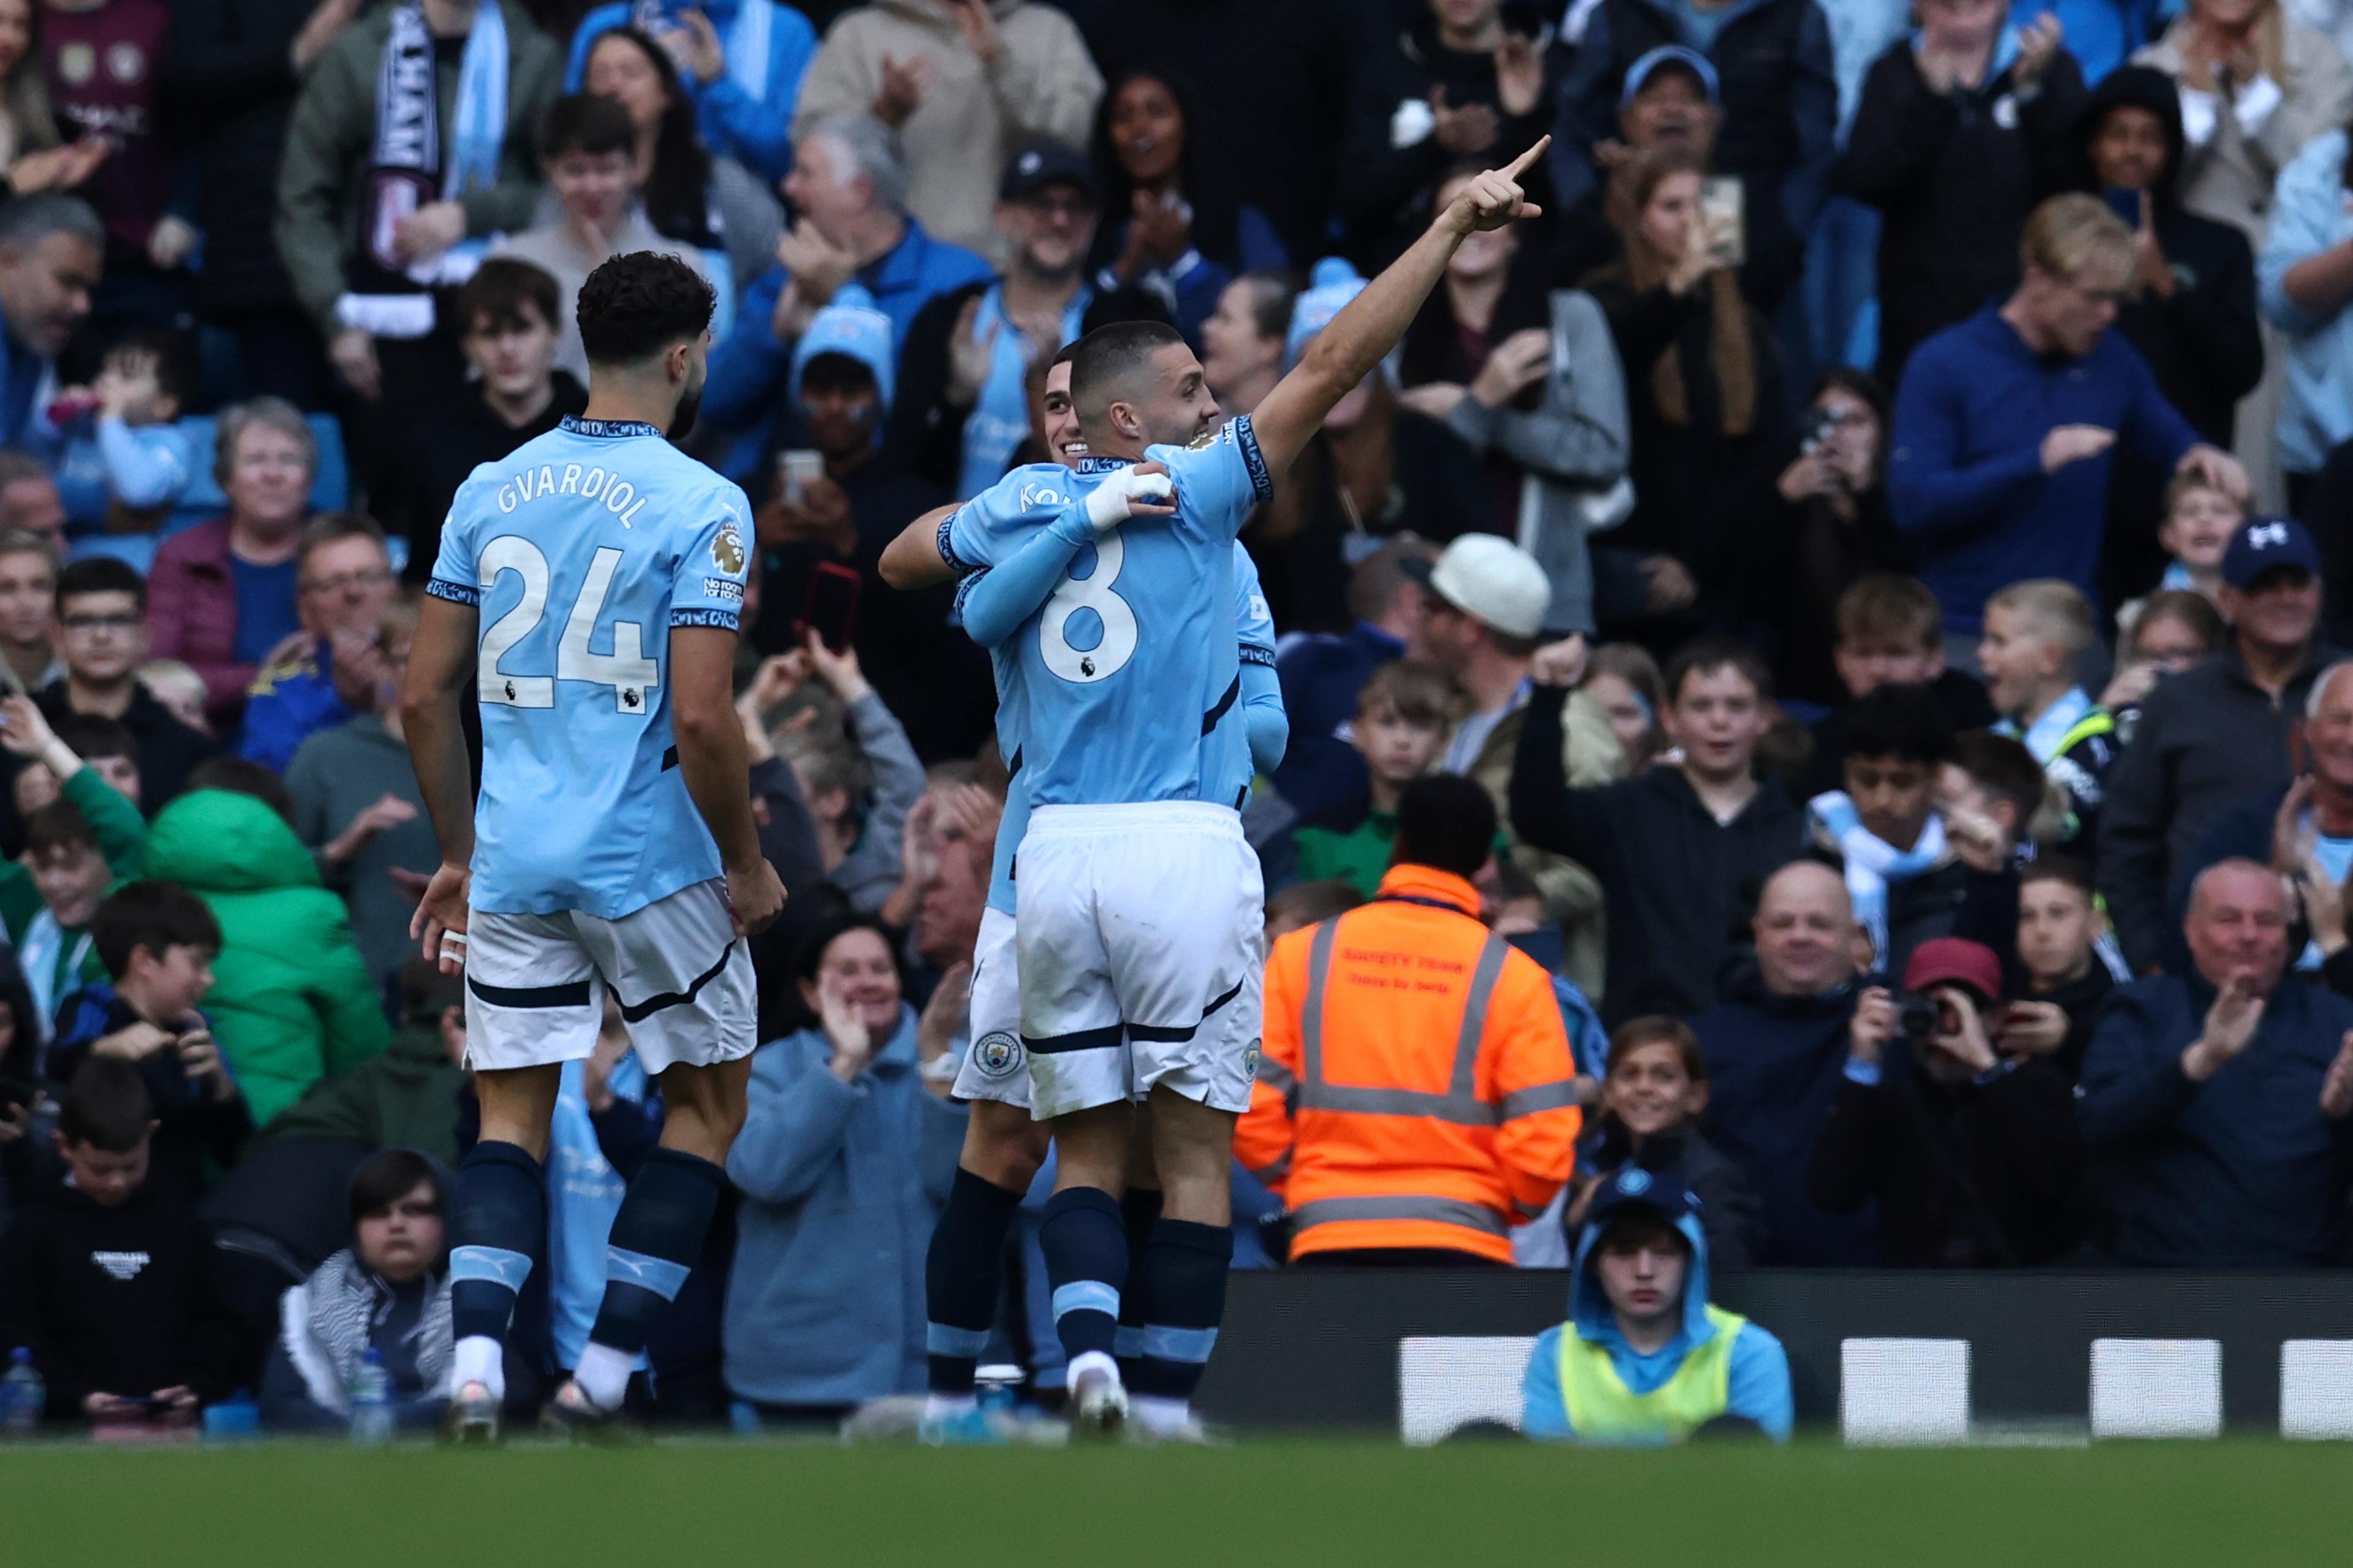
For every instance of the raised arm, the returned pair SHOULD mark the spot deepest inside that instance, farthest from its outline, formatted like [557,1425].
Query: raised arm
[1360,336]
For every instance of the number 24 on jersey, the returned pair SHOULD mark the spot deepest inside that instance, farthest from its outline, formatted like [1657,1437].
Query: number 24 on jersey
[625,670]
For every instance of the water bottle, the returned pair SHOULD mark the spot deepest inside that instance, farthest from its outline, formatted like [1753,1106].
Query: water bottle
[22,1395]
[997,1388]
[372,1402]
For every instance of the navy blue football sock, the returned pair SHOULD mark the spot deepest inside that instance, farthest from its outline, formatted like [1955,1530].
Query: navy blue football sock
[655,1240]
[1086,1263]
[964,1275]
[1139,1209]
[1184,1273]
[497,1224]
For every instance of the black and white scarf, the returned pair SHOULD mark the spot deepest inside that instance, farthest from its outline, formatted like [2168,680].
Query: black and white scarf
[326,1323]
[407,169]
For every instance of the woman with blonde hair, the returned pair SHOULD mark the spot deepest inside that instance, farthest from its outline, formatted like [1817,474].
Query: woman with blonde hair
[32,156]
[2256,88]
[1705,407]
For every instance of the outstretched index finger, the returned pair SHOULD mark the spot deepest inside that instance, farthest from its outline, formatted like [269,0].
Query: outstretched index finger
[1519,165]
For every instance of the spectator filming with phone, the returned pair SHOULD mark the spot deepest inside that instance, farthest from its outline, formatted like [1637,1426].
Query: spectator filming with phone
[836,495]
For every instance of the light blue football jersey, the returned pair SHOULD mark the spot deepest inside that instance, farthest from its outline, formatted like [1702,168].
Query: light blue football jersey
[1130,670]
[582,550]
[1254,637]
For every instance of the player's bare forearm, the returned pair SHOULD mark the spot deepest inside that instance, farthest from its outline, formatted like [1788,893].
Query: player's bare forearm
[1346,352]
[1373,323]
[712,758]
[440,659]
[912,560]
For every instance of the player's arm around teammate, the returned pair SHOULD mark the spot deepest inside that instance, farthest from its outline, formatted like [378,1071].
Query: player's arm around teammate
[913,560]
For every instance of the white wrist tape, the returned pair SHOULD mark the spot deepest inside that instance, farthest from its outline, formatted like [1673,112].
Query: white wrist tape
[1107,503]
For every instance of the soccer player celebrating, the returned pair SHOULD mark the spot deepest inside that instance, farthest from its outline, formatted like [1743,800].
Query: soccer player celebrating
[1003,1146]
[613,847]
[1139,912]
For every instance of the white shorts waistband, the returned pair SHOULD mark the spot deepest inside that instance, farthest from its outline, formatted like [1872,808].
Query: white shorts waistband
[1143,816]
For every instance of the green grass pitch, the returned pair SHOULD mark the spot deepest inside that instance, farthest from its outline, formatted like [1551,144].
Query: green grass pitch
[1289,1502]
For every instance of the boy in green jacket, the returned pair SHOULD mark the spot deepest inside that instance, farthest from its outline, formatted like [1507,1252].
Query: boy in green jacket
[88,840]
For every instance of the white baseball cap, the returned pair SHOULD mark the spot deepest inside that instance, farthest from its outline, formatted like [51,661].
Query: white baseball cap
[1491,579]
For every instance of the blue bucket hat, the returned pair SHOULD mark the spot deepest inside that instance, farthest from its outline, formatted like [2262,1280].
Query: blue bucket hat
[1329,289]
[849,325]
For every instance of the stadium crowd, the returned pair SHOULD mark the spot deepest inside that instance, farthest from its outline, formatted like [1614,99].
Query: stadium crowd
[1829,640]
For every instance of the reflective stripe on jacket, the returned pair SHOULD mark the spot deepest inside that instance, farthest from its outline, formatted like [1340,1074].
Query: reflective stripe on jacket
[1415,1087]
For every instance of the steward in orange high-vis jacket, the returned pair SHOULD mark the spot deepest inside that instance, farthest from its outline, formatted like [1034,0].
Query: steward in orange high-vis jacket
[1415,1097]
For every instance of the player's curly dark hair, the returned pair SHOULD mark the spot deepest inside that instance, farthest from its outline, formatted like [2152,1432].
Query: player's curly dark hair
[636,305]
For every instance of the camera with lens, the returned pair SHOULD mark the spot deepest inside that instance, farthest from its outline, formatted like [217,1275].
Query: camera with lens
[1915,1018]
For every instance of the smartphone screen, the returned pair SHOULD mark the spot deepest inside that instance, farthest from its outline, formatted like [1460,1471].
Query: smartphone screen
[1721,205]
[796,471]
[832,609]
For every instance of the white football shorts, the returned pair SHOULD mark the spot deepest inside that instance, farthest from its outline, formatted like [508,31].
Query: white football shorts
[1143,955]
[994,1065]
[535,984]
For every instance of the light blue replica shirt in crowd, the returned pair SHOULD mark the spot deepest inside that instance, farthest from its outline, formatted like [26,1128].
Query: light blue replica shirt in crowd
[1000,420]
[583,548]
[584,1193]
[1129,671]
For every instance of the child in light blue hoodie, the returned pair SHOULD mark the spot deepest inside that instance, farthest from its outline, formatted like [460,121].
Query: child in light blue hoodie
[125,465]
[1645,1359]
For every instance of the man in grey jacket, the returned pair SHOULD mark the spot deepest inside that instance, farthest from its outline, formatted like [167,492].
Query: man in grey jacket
[2223,731]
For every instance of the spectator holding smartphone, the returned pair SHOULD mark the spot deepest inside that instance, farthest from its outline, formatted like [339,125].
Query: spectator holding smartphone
[1838,530]
[158,942]
[2190,306]
[837,520]
[1971,1155]
[1705,411]
[117,1349]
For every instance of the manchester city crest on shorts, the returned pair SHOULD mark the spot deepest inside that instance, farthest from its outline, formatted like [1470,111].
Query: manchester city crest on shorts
[997,1054]
[1250,1062]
